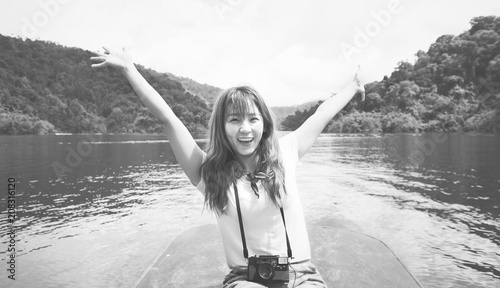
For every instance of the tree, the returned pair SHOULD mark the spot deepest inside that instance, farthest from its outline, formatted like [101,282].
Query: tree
[373,102]
[403,72]
[396,122]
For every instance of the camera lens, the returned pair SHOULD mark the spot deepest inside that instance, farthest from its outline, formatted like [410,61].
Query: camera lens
[266,271]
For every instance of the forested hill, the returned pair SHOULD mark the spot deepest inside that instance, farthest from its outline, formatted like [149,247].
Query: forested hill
[48,88]
[454,86]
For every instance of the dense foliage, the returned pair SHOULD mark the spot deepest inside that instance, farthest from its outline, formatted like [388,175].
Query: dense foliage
[454,86]
[48,88]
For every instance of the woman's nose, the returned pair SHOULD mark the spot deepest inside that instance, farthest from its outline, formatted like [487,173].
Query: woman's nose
[245,127]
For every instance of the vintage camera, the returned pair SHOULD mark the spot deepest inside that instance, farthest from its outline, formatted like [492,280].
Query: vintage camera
[268,269]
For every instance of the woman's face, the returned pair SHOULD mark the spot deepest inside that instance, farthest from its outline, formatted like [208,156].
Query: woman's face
[244,131]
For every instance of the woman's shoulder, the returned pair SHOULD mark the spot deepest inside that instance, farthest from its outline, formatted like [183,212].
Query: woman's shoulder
[287,137]
[288,140]
[288,147]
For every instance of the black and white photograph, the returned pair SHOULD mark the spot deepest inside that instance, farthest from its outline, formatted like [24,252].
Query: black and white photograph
[239,144]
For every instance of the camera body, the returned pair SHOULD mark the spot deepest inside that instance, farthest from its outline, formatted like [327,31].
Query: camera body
[267,269]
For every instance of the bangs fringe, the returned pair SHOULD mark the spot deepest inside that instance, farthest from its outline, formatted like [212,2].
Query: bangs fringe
[240,103]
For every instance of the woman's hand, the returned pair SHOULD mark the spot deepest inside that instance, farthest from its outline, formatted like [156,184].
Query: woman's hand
[360,87]
[113,58]
[312,127]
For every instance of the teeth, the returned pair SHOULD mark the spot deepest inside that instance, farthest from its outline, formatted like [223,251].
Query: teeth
[245,139]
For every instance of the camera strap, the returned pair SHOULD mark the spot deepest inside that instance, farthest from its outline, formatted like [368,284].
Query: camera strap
[242,230]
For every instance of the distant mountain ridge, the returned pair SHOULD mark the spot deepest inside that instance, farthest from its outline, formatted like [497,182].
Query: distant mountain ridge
[205,91]
[282,112]
[210,94]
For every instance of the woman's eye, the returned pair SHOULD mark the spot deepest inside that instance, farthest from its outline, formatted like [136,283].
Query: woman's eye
[233,120]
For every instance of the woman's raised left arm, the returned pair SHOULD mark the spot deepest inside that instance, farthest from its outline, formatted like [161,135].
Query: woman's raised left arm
[312,127]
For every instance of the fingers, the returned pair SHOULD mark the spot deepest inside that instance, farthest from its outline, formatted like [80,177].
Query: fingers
[357,78]
[359,82]
[358,72]
[101,57]
[98,58]
[98,65]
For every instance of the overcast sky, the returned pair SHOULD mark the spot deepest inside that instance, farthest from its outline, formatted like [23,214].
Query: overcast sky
[292,51]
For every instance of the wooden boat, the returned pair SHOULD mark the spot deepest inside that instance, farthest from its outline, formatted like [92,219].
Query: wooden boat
[344,258]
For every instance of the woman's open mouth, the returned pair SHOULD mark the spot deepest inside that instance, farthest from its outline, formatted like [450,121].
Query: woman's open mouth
[245,140]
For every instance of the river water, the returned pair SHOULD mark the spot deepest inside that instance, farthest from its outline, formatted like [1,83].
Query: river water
[93,210]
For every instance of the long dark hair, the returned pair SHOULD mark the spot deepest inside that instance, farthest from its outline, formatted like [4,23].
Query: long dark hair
[221,167]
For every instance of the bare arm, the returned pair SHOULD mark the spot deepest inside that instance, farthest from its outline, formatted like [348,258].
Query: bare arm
[186,151]
[312,127]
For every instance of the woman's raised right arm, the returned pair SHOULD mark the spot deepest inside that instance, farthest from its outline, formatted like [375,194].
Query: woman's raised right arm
[186,151]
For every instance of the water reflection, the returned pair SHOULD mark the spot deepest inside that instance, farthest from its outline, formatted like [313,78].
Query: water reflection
[438,208]
[456,184]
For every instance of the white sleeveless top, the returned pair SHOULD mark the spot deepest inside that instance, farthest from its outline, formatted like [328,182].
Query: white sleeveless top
[264,230]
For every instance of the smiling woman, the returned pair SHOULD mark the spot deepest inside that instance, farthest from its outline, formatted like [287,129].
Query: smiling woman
[242,142]
[246,163]
[244,125]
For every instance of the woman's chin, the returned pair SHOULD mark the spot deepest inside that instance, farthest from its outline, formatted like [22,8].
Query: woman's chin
[246,152]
